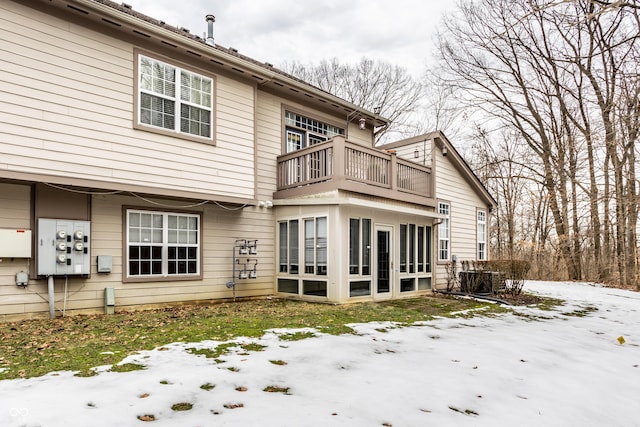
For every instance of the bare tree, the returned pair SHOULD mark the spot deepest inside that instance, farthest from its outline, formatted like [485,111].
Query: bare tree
[554,71]
[373,85]
[486,53]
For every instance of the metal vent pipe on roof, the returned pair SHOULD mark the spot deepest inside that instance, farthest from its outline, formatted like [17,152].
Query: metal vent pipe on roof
[210,20]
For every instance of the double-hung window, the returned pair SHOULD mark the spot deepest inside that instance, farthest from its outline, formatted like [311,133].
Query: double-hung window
[162,244]
[482,235]
[444,232]
[174,99]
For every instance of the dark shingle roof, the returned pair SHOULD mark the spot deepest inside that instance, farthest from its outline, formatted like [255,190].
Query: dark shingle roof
[125,8]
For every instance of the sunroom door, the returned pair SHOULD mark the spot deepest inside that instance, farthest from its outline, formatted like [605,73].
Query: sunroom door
[383,272]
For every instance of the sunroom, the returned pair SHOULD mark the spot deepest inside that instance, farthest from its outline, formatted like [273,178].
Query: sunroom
[345,248]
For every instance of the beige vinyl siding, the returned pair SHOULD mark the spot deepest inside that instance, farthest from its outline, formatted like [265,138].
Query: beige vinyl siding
[464,202]
[269,130]
[362,137]
[15,212]
[67,111]
[407,152]
[220,229]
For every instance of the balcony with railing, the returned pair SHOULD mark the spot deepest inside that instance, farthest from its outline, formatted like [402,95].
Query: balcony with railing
[338,164]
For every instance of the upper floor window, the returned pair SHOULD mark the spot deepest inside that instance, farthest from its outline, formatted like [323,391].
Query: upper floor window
[482,235]
[303,131]
[174,99]
[444,232]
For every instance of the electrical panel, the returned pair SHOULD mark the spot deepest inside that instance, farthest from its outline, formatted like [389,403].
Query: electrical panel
[15,243]
[63,247]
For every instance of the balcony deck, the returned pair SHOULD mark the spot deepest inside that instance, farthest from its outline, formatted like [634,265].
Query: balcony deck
[338,164]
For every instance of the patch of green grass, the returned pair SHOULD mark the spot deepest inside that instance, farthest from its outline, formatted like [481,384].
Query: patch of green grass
[127,367]
[253,347]
[86,373]
[35,347]
[276,389]
[581,312]
[215,353]
[549,304]
[278,362]
[182,406]
[297,336]
[207,386]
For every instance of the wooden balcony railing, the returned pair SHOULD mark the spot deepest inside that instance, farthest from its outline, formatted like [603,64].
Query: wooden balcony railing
[339,164]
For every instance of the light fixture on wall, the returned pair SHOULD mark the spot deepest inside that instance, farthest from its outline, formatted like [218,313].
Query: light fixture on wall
[362,123]
[416,154]
[444,150]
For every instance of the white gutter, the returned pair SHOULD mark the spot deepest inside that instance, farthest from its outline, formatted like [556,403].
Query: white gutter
[326,199]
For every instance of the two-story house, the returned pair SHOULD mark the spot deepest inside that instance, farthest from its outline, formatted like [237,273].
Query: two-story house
[141,165]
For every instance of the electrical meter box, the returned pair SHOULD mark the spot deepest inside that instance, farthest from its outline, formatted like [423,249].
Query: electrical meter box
[63,247]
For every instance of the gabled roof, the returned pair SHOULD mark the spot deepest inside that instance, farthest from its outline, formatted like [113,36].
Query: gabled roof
[115,17]
[454,157]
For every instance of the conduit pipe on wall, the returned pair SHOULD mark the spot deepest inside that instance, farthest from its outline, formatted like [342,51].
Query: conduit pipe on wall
[52,303]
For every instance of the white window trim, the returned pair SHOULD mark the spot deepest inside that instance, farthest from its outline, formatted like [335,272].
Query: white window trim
[481,235]
[164,245]
[312,252]
[288,248]
[363,250]
[444,231]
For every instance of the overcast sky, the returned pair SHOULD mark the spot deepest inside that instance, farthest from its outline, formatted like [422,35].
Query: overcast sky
[279,31]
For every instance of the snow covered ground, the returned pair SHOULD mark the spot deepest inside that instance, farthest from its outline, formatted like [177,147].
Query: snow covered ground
[565,367]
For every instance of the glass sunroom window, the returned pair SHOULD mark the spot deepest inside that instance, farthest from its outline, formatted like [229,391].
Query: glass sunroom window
[354,246]
[315,246]
[288,250]
[360,246]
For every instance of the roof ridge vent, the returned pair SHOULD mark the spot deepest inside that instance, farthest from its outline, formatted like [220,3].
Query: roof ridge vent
[127,6]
